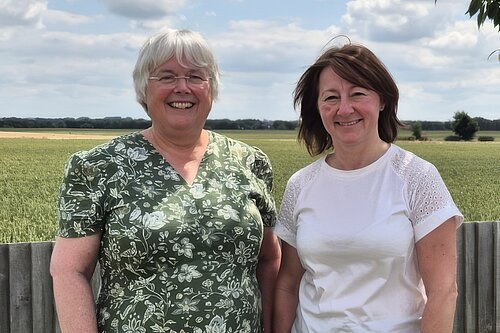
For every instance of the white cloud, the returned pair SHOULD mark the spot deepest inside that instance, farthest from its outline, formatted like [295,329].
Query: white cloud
[144,9]
[257,45]
[22,12]
[459,36]
[58,16]
[395,20]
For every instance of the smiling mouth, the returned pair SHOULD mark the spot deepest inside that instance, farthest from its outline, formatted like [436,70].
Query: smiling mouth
[349,123]
[181,105]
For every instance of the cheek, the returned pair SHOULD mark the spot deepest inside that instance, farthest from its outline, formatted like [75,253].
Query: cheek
[326,110]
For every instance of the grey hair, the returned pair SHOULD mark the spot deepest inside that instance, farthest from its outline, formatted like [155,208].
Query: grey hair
[182,45]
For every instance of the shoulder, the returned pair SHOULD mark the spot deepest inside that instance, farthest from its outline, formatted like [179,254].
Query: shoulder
[237,149]
[306,174]
[115,151]
[301,179]
[120,145]
[410,167]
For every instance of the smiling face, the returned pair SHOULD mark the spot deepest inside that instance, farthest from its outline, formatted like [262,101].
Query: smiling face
[180,106]
[349,113]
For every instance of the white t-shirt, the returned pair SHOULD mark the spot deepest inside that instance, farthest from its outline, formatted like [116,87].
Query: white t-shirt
[355,234]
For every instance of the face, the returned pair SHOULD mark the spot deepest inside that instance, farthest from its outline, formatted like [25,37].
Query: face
[181,105]
[349,113]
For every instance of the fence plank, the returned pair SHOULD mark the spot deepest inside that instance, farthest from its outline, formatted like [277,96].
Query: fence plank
[43,309]
[459,321]
[20,288]
[496,272]
[4,288]
[470,285]
[485,277]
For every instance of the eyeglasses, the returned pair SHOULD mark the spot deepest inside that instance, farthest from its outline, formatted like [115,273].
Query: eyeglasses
[170,80]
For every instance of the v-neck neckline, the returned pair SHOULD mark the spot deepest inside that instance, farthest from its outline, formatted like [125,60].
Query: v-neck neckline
[164,161]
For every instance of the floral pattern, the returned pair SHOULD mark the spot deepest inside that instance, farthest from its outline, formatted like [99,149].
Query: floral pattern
[174,257]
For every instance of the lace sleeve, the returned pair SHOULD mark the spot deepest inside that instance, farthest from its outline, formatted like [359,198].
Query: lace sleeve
[430,202]
[286,224]
[286,227]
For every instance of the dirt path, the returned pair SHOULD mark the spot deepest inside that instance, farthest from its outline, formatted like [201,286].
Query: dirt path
[56,136]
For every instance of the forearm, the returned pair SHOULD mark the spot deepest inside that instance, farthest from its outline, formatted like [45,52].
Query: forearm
[285,308]
[74,304]
[267,271]
[439,312]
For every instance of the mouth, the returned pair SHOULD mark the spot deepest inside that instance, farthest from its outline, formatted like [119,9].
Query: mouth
[181,105]
[348,123]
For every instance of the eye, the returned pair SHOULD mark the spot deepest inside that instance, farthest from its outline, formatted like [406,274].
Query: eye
[196,79]
[330,98]
[167,78]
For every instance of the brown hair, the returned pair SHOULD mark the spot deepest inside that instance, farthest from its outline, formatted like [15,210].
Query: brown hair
[358,65]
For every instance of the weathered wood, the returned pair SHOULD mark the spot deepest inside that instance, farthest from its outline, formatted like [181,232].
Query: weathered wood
[496,273]
[26,295]
[470,285]
[4,289]
[485,280]
[459,322]
[21,319]
[41,284]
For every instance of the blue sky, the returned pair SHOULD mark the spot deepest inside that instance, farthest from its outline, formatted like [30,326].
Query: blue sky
[74,58]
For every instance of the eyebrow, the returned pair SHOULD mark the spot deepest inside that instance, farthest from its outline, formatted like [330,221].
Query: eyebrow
[189,71]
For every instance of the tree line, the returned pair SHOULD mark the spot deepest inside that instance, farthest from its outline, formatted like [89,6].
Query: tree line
[215,124]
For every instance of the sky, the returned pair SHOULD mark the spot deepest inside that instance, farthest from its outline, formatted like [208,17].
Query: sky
[74,58]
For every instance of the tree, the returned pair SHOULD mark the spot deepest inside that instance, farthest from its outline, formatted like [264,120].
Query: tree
[464,126]
[417,130]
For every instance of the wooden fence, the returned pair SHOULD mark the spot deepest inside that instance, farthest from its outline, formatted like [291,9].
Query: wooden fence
[26,300]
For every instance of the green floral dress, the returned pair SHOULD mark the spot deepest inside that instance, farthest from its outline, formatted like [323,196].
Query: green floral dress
[174,257]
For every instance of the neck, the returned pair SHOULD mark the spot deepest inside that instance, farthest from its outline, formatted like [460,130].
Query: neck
[179,145]
[352,158]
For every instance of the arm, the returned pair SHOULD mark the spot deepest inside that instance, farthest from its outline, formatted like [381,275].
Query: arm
[437,258]
[72,265]
[286,297]
[267,270]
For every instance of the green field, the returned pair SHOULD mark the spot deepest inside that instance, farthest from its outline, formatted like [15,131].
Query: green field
[31,171]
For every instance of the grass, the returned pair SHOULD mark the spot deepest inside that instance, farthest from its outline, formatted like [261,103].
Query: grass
[31,171]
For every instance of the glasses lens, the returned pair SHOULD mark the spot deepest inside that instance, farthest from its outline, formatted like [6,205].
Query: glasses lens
[196,80]
[168,79]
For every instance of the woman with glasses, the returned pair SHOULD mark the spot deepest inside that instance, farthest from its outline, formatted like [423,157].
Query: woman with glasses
[178,217]
[368,229]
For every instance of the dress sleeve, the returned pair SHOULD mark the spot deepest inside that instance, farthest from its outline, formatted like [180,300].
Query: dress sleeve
[430,201]
[80,199]
[265,202]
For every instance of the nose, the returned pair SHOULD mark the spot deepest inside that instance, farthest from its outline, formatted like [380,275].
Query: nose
[345,107]
[181,85]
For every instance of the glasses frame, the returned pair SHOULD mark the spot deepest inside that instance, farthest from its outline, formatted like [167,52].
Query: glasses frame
[175,78]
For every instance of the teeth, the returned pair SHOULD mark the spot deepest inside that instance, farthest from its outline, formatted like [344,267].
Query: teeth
[181,105]
[349,123]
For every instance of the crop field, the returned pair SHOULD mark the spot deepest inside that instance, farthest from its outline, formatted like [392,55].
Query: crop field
[31,170]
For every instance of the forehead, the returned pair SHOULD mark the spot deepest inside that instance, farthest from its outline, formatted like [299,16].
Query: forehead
[328,79]
[175,65]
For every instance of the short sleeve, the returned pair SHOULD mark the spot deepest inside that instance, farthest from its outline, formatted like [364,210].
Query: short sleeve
[262,169]
[430,202]
[80,199]
[286,224]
